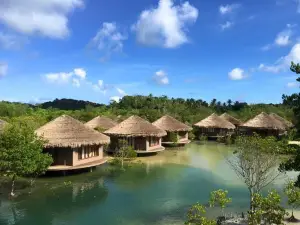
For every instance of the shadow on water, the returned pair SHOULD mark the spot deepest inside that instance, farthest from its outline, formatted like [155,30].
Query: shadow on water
[52,203]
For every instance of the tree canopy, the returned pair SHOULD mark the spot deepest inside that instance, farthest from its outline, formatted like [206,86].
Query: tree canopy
[148,107]
[21,153]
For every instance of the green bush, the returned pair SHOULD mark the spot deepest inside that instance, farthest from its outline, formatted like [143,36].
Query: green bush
[191,135]
[172,136]
[203,137]
[228,140]
[100,129]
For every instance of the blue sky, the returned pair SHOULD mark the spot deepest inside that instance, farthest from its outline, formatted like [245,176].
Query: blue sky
[99,50]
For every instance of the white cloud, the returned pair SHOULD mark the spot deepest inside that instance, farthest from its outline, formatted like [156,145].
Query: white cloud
[121,92]
[226,25]
[284,63]
[100,87]
[226,9]
[237,74]
[10,41]
[3,69]
[108,39]
[80,72]
[66,77]
[58,78]
[166,25]
[76,82]
[161,77]
[271,69]
[266,47]
[48,18]
[293,84]
[115,98]
[282,39]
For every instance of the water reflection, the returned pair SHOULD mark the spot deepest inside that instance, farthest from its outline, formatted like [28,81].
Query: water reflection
[159,191]
[50,206]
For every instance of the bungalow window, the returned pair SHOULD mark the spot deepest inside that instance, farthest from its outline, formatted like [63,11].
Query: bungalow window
[96,151]
[88,152]
[153,141]
[80,150]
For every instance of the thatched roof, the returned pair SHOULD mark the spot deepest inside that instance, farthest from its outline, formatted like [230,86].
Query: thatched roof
[285,122]
[135,126]
[214,121]
[264,121]
[102,122]
[231,119]
[170,124]
[2,124]
[65,131]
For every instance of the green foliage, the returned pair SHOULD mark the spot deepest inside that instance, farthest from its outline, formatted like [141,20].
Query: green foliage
[295,68]
[293,194]
[148,107]
[219,198]
[125,152]
[172,137]
[21,152]
[100,129]
[291,134]
[203,137]
[269,145]
[191,135]
[228,140]
[293,101]
[266,209]
[255,161]
[196,216]
[220,139]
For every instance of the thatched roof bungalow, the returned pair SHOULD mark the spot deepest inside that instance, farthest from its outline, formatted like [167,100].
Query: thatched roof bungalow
[143,136]
[72,144]
[287,124]
[236,122]
[101,123]
[173,127]
[262,124]
[214,127]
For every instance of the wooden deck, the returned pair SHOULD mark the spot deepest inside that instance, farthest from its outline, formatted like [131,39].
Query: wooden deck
[294,142]
[82,166]
[175,144]
[160,149]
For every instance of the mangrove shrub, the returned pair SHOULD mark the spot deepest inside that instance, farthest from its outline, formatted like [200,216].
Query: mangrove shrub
[21,153]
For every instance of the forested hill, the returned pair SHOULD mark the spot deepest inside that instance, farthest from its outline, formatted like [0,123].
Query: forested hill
[68,104]
[149,107]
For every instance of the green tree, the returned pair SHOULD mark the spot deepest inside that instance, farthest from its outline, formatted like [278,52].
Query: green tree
[293,164]
[196,216]
[125,152]
[266,209]
[293,194]
[255,162]
[21,153]
[295,68]
[219,198]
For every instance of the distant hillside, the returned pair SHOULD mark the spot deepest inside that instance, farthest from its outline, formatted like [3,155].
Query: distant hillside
[68,104]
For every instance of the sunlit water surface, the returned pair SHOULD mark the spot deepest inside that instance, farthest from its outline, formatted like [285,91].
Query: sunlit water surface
[158,191]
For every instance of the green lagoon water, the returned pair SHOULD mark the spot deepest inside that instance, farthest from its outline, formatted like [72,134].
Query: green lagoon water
[158,191]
